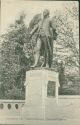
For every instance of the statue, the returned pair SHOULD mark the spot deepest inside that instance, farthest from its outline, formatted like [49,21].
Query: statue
[45,37]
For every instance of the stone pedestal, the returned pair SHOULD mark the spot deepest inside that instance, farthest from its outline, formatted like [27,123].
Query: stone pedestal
[36,92]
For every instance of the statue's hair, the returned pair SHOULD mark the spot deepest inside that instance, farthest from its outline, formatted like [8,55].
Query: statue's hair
[47,11]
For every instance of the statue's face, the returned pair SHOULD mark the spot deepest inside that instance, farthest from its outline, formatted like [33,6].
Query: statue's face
[45,13]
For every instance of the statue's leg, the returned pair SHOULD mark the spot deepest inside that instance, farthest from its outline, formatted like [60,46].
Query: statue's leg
[50,51]
[47,59]
[37,52]
[46,53]
[44,43]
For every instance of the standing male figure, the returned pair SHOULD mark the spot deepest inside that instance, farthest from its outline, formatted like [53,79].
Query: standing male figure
[46,35]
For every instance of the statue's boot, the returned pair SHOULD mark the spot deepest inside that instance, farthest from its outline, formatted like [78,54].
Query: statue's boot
[33,66]
[47,66]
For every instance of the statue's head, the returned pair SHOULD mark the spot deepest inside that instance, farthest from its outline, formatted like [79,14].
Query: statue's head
[46,12]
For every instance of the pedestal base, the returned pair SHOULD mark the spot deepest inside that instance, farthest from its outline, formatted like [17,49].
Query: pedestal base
[36,92]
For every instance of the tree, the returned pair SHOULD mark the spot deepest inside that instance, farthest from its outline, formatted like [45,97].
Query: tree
[14,62]
[72,11]
[66,47]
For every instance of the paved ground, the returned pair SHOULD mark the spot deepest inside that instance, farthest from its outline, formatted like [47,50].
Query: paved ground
[67,112]
[41,122]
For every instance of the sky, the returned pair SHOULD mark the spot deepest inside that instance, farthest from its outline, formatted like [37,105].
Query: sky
[10,10]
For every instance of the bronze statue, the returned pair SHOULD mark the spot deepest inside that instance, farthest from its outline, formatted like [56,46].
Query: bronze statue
[46,35]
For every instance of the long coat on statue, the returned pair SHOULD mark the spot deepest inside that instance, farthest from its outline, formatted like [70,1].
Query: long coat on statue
[45,36]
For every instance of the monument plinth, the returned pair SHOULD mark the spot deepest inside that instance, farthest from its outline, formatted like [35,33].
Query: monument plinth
[36,92]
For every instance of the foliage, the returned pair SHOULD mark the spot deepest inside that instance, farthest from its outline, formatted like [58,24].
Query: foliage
[66,46]
[14,62]
[70,90]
